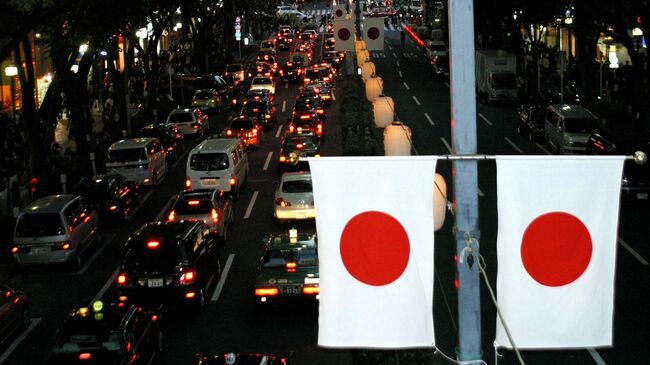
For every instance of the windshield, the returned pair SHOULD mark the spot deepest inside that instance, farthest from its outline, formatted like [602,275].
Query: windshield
[297,186]
[203,95]
[580,125]
[504,81]
[209,161]
[255,107]
[262,81]
[39,225]
[127,155]
[180,118]
[166,256]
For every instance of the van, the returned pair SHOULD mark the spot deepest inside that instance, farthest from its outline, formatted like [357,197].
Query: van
[217,163]
[436,48]
[140,160]
[55,229]
[567,128]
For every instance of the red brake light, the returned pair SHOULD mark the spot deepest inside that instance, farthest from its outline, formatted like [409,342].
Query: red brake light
[121,279]
[291,128]
[153,244]
[311,290]
[85,356]
[267,116]
[14,249]
[291,266]
[304,117]
[232,181]
[193,202]
[282,159]
[188,277]
[112,208]
[300,146]
[266,292]
[172,216]
[215,215]
[229,132]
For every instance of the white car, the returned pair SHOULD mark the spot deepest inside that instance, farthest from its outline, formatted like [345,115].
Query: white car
[263,83]
[294,198]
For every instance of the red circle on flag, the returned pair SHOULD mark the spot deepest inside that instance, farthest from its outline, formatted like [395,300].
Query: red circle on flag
[375,248]
[556,248]
[344,34]
[373,33]
[339,13]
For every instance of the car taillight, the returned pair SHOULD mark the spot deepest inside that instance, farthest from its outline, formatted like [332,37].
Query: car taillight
[188,183]
[232,181]
[267,116]
[281,72]
[195,125]
[307,79]
[254,132]
[283,158]
[111,207]
[311,290]
[266,292]
[215,216]
[122,279]
[61,247]
[85,356]
[187,278]
[152,245]
[172,216]
[281,202]
[320,111]
[15,249]
[320,128]
[234,101]
[300,146]
[291,266]
[229,132]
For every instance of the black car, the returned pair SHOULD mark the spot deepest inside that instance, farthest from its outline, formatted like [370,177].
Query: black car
[304,122]
[115,333]
[332,57]
[243,359]
[531,122]
[113,197]
[167,262]
[636,178]
[440,67]
[296,146]
[306,103]
[14,312]
[262,112]
[170,137]
[322,92]
[292,71]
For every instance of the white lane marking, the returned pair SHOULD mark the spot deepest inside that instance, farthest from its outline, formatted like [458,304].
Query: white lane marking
[416,100]
[250,205]
[32,324]
[480,193]
[400,73]
[286,86]
[514,145]
[542,148]
[284,105]
[397,63]
[444,141]
[106,286]
[596,356]
[222,279]
[390,47]
[446,84]
[172,166]
[485,119]
[632,252]
[268,160]
[426,115]
[406,86]
[333,97]
[162,212]
[277,134]
[394,54]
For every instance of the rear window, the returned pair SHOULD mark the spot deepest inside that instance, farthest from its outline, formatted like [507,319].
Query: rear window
[39,225]
[180,118]
[262,81]
[253,107]
[193,206]
[165,256]
[209,161]
[279,258]
[242,124]
[92,191]
[203,95]
[87,336]
[127,155]
[580,125]
[233,68]
[297,186]
[307,142]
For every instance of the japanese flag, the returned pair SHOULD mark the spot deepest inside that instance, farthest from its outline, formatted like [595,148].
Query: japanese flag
[556,249]
[374,217]
[344,35]
[373,33]
[338,11]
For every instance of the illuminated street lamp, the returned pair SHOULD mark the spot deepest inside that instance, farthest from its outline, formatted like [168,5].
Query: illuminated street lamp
[12,71]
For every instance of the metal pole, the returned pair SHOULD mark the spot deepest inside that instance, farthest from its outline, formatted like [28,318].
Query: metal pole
[561,54]
[13,98]
[539,75]
[357,14]
[463,130]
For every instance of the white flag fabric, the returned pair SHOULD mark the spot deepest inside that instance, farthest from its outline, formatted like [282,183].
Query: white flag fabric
[373,33]
[344,35]
[338,11]
[556,249]
[374,218]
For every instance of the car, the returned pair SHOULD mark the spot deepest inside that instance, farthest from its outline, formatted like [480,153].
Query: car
[635,183]
[211,206]
[306,103]
[300,57]
[264,83]
[169,262]
[329,44]
[220,85]
[113,197]
[531,122]
[169,136]
[294,197]
[288,269]
[262,112]
[306,122]
[317,73]
[259,95]
[189,121]
[320,91]
[14,312]
[297,146]
[567,128]
[243,359]
[55,229]
[207,99]
[108,333]
[140,160]
[236,70]
[269,59]
[261,69]
[308,35]
[269,45]
[285,41]
[217,163]
[291,71]
[246,129]
[332,57]
[440,67]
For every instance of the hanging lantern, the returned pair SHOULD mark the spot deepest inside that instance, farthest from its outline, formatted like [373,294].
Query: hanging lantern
[367,70]
[384,111]
[397,140]
[359,45]
[363,56]
[374,88]
[439,201]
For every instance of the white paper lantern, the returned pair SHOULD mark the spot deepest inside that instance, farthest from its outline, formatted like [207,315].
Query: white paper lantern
[363,56]
[374,88]
[359,45]
[383,109]
[367,70]
[439,201]
[397,140]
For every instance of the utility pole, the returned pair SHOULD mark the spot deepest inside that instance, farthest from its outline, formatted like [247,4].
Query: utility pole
[463,130]
[357,14]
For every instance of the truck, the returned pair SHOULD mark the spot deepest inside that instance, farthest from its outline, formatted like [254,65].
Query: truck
[496,76]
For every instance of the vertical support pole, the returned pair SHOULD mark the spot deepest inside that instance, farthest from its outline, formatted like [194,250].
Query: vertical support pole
[601,80]
[561,59]
[357,14]
[463,130]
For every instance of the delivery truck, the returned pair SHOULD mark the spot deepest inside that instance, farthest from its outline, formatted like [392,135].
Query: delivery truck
[496,76]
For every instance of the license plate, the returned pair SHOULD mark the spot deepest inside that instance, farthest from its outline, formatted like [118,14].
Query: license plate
[40,250]
[155,283]
[210,181]
[290,290]
[642,195]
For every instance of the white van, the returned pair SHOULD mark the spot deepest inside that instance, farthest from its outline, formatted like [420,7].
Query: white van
[141,160]
[217,163]
[567,128]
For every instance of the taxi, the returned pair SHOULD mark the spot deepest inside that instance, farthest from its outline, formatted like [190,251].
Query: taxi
[289,268]
[304,122]
[250,132]
[297,146]
[116,333]
[291,71]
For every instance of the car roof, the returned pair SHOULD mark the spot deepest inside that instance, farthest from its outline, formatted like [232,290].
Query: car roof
[295,176]
[52,203]
[131,143]
[572,111]
[216,144]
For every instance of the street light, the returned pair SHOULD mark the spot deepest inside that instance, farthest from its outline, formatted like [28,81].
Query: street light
[12,71]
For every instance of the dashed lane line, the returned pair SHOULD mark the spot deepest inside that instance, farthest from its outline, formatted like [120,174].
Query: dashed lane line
[222,279]
[104,288]
[32,324]
[632,252]
[447,145]
[406,85]
[426,115]
[286,86]
[249,210]
[277,134]
[397,63]
[394,54]
[596,356]
[284,105]
[485,119]
[446,84]
[400,73]
[333,97]
[514,145]
[268,160]
[543,148]
[416,100]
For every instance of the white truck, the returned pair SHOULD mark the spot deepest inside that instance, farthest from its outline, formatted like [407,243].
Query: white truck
[496,76]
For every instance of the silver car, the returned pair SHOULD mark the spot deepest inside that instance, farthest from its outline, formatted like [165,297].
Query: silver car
[213,207]
[55,229]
